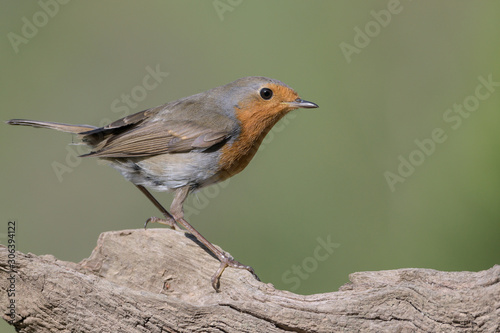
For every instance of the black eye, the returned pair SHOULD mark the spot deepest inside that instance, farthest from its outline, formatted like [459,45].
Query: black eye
[266,93]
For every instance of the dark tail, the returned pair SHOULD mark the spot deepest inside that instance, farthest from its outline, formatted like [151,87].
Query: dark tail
[76,129]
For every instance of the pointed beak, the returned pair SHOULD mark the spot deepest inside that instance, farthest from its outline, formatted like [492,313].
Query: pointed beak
[300,103]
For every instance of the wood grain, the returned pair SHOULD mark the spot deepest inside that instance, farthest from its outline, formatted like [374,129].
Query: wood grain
[158,280]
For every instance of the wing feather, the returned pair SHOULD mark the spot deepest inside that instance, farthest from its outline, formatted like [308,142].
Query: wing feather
[160,137]
[177,127]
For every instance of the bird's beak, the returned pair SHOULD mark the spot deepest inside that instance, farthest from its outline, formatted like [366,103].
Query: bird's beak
[300,103]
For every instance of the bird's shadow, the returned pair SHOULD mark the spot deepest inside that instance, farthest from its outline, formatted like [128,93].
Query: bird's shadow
[187,234]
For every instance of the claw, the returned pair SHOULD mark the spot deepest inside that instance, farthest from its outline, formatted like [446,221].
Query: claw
[216,277]
[153,219]
[228,261]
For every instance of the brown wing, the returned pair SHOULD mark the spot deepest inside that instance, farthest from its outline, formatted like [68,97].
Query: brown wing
[159,138]
[144,134]
[99,135]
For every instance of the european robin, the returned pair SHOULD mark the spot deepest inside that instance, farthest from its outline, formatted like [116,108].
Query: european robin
[190,143]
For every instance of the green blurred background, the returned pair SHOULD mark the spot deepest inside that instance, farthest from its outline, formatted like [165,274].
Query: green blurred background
[320,173]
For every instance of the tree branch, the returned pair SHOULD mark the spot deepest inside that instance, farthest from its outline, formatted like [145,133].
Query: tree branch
[158,280]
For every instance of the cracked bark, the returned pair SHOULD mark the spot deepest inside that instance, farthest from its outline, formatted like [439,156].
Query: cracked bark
[158,280]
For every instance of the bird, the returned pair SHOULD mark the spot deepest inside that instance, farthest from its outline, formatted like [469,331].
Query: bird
[187,144]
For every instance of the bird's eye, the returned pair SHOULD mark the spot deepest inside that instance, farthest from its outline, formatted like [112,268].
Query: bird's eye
[266,93]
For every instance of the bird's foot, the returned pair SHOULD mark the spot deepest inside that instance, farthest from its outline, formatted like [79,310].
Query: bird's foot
[227,261]
[170,222]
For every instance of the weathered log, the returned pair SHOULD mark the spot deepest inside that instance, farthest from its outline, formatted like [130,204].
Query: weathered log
[158,280]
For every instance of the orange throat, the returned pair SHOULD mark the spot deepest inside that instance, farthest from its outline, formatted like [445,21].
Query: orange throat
[254,127]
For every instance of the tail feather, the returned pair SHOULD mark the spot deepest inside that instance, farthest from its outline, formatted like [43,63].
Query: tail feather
[56,126]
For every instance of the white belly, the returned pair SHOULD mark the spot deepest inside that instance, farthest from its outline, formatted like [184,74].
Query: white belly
[170,171]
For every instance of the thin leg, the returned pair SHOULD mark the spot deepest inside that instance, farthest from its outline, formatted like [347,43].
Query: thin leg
[169,219]
[225,259]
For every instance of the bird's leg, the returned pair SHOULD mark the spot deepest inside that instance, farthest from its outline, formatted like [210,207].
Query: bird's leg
[168,220]
[225,259]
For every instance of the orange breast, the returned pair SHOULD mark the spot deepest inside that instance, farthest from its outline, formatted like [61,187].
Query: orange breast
[236,157]
[255,124]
